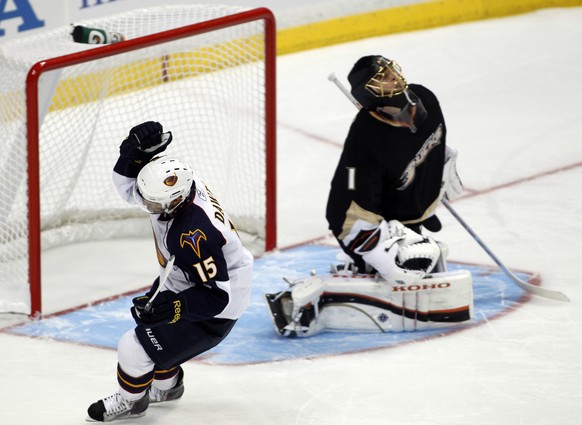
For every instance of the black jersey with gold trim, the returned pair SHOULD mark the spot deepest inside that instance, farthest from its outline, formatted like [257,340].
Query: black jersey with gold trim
[389,172]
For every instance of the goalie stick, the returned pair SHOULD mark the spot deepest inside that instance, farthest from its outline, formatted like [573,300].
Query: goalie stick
[163,278]
[537,290]
[331,77]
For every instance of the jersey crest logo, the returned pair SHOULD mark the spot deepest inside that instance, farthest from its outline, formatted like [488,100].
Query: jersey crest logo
[193,238]
[409,172]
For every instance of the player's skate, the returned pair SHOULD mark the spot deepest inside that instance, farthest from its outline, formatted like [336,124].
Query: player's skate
[117,407]
[157,395]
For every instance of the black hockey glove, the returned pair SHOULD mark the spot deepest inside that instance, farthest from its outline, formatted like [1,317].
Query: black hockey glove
[166,308]
[145,141]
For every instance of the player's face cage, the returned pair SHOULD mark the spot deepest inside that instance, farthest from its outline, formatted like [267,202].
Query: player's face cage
[388,81]
[153,207]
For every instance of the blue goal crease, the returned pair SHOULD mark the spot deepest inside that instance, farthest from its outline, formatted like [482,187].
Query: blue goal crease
[254,339]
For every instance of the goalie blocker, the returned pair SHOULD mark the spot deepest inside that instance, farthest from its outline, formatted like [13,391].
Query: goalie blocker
[363,303]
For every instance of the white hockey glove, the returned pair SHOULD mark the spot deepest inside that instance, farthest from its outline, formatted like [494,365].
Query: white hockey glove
[451,186]
[399,254]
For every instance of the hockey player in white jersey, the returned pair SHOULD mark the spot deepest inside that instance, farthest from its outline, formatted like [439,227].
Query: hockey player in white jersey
[207,288]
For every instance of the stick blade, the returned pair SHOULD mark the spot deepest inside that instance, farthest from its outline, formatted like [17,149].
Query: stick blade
[538,290]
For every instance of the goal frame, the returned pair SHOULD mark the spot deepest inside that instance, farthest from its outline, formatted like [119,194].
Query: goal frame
[33,126]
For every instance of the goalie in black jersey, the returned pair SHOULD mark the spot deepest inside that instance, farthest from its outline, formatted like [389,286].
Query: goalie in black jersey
[393,171]
[205,291]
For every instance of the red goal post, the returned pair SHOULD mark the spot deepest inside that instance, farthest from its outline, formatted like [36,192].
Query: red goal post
[210,82]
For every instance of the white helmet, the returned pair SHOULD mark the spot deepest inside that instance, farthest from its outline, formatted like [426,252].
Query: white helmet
[163,184]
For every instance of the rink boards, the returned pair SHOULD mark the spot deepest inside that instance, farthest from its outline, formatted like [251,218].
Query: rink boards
[254,339]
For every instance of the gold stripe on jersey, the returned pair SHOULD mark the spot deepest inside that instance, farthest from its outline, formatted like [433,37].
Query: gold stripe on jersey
[354,213]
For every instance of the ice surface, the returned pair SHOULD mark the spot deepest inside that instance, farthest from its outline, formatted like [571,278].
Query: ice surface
[509,89]
[254,338]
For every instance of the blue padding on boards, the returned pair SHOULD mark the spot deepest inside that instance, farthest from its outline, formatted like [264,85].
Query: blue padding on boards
[254,339]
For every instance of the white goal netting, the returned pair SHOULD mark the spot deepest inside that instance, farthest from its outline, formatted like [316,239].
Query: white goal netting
[208,88]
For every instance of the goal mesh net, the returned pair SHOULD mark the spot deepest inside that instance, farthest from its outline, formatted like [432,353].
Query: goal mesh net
[208,88]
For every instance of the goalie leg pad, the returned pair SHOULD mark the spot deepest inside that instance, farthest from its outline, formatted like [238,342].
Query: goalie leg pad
[365,304]
[439,300]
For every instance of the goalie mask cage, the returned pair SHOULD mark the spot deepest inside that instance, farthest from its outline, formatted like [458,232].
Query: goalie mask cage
[206,72]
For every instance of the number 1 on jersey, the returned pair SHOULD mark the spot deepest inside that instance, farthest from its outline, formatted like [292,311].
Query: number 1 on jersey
[351,178]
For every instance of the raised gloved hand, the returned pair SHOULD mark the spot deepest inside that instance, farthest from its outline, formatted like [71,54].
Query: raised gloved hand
[145,141]
[166,308]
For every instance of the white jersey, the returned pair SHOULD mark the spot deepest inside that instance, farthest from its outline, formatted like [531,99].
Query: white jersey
[211,264]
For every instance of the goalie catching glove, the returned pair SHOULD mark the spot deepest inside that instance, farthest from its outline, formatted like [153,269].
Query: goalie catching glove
[399,254]
[166,308]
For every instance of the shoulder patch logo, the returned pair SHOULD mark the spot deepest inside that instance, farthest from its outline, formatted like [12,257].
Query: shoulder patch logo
[193,238]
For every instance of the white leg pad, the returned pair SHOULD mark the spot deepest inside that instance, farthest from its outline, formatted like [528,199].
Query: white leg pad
[365,304]
[410,311]
[422,308]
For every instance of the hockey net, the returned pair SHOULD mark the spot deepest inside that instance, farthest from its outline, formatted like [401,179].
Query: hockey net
[205,72]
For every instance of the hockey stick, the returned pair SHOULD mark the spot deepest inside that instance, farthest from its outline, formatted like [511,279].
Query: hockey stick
[163,278]
[331,77]
[542,292]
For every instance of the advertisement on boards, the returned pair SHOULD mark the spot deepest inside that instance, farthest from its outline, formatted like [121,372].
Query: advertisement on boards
[23,17]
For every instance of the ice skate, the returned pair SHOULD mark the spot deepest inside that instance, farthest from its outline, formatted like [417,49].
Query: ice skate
[117,407]
[157,396]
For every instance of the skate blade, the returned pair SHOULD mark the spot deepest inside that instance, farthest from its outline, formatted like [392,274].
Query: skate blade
[134,416]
